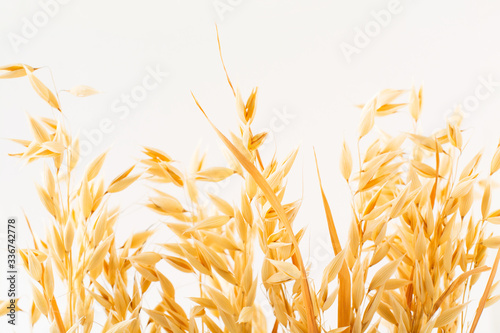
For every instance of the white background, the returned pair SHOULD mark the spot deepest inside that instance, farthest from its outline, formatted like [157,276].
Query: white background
[290,49]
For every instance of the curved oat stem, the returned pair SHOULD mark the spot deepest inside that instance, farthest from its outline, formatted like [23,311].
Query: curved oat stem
[486,293]
[222,60]
[344,308]
[454,285]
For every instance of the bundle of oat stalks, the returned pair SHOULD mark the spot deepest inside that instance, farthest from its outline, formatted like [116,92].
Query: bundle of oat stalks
[416,248]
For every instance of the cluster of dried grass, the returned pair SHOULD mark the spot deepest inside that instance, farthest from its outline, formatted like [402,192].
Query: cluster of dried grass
[417,243]
[78,253]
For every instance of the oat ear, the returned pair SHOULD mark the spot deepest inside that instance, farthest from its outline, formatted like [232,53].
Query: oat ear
[82,91]
[42,90]
[15,71]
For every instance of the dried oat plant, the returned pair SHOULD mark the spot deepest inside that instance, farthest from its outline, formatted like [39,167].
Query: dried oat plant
[417,246]
[216,241]
[417,242]
[77,263]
